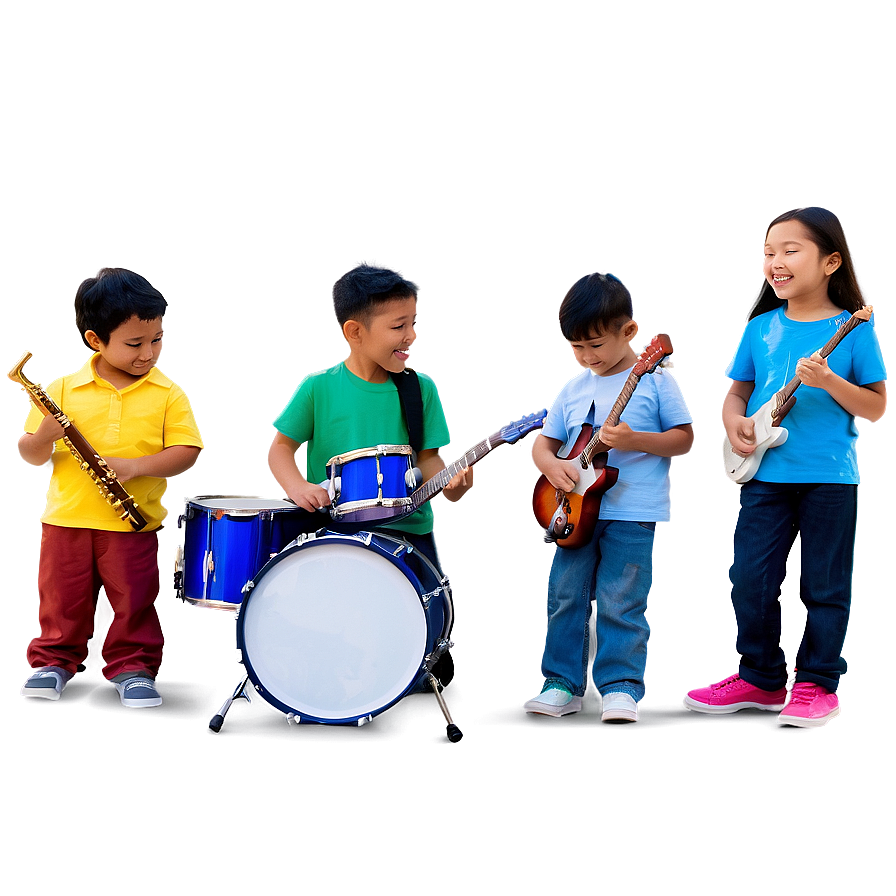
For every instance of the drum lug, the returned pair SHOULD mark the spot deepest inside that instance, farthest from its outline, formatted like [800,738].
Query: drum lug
[425,599]
[293,719]
[440,648]
[364,720]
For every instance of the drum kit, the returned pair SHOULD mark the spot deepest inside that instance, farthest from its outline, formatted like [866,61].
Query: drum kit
[334,625]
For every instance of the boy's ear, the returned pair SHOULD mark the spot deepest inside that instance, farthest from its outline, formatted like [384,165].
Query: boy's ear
[351,329]
[630,330]
[93,340]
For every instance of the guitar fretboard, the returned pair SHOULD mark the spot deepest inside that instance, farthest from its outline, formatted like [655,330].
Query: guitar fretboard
[432,487]
[843,330]
[612,418]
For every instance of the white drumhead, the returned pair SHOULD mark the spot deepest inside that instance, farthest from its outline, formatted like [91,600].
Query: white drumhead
[241,504]
[334,630]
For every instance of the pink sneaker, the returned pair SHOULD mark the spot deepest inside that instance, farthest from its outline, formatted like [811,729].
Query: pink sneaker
[734,694]
[810,706]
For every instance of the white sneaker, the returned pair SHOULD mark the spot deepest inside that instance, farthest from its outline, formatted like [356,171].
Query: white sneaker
[554,702]
[619,707]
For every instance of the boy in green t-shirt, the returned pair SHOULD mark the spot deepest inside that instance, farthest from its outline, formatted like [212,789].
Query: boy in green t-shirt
[356,405]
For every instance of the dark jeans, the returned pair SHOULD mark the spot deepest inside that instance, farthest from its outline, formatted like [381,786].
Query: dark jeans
[771,515]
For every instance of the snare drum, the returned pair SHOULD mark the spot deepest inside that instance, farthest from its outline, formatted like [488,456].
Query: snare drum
[227,539]
[371,483]
[337,628]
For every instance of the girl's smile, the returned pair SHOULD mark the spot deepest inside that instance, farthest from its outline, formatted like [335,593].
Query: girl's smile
[796,268]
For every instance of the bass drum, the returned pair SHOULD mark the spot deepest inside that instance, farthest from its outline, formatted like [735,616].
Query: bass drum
[337,628]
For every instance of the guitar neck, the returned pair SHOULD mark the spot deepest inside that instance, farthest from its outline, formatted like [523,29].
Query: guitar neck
[843,330]
[432,487]
[595,445]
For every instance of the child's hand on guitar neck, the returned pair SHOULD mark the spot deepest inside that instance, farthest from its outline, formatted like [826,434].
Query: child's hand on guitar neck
[459,485]
[621,437]
[814,371]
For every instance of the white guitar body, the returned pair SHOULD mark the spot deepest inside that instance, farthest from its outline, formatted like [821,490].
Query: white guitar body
[587,475]
[743,469]
[587,478]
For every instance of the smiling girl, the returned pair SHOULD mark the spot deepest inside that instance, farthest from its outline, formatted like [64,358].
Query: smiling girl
[808,484]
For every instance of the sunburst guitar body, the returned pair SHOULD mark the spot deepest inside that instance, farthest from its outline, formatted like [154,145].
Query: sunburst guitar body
[569,518]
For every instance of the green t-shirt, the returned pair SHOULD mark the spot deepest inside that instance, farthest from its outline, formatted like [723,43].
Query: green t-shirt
[335,411]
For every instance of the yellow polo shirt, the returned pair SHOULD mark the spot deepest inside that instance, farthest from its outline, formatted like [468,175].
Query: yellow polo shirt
[141,419]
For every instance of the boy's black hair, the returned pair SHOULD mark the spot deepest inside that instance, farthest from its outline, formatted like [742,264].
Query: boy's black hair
[596,304]
[357,293]
[827,233]
[103,303]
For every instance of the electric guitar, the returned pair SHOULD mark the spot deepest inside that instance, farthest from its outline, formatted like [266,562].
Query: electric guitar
[507,435]
[767,429]
[569,518]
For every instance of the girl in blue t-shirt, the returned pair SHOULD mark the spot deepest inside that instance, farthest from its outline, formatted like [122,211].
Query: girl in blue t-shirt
[806,484]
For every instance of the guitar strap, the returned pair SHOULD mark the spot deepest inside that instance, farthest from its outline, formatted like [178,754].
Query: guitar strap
[411,398]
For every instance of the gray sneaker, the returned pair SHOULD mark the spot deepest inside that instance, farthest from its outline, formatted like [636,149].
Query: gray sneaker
[138,692]
[554,702]
[47,682]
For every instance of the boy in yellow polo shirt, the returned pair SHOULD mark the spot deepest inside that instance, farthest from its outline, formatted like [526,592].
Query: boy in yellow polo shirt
[142,425]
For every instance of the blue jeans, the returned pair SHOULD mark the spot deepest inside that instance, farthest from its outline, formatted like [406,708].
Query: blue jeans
[615,571]
[771,515]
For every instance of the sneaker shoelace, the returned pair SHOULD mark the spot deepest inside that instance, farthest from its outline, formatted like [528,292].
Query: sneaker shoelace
[729,683]
[804,695]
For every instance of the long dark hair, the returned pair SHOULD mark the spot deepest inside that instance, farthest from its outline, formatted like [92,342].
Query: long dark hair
[826,232]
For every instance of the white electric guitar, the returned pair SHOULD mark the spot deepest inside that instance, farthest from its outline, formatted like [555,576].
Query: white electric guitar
[767,429]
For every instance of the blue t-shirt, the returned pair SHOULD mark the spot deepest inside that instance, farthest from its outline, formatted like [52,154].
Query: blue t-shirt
[821,436]
[641,493]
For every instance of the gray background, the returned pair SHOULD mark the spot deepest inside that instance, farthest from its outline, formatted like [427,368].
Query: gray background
[241,154]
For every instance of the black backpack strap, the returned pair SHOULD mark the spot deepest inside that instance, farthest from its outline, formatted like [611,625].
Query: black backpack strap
[411,398]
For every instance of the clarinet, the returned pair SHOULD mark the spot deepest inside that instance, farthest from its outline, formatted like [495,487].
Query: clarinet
[89,461]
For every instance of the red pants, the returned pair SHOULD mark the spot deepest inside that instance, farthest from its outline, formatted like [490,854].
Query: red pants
[74,564]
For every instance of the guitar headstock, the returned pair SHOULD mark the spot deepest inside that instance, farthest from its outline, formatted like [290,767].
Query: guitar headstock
[519,428]
[865,313]
[657,351]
